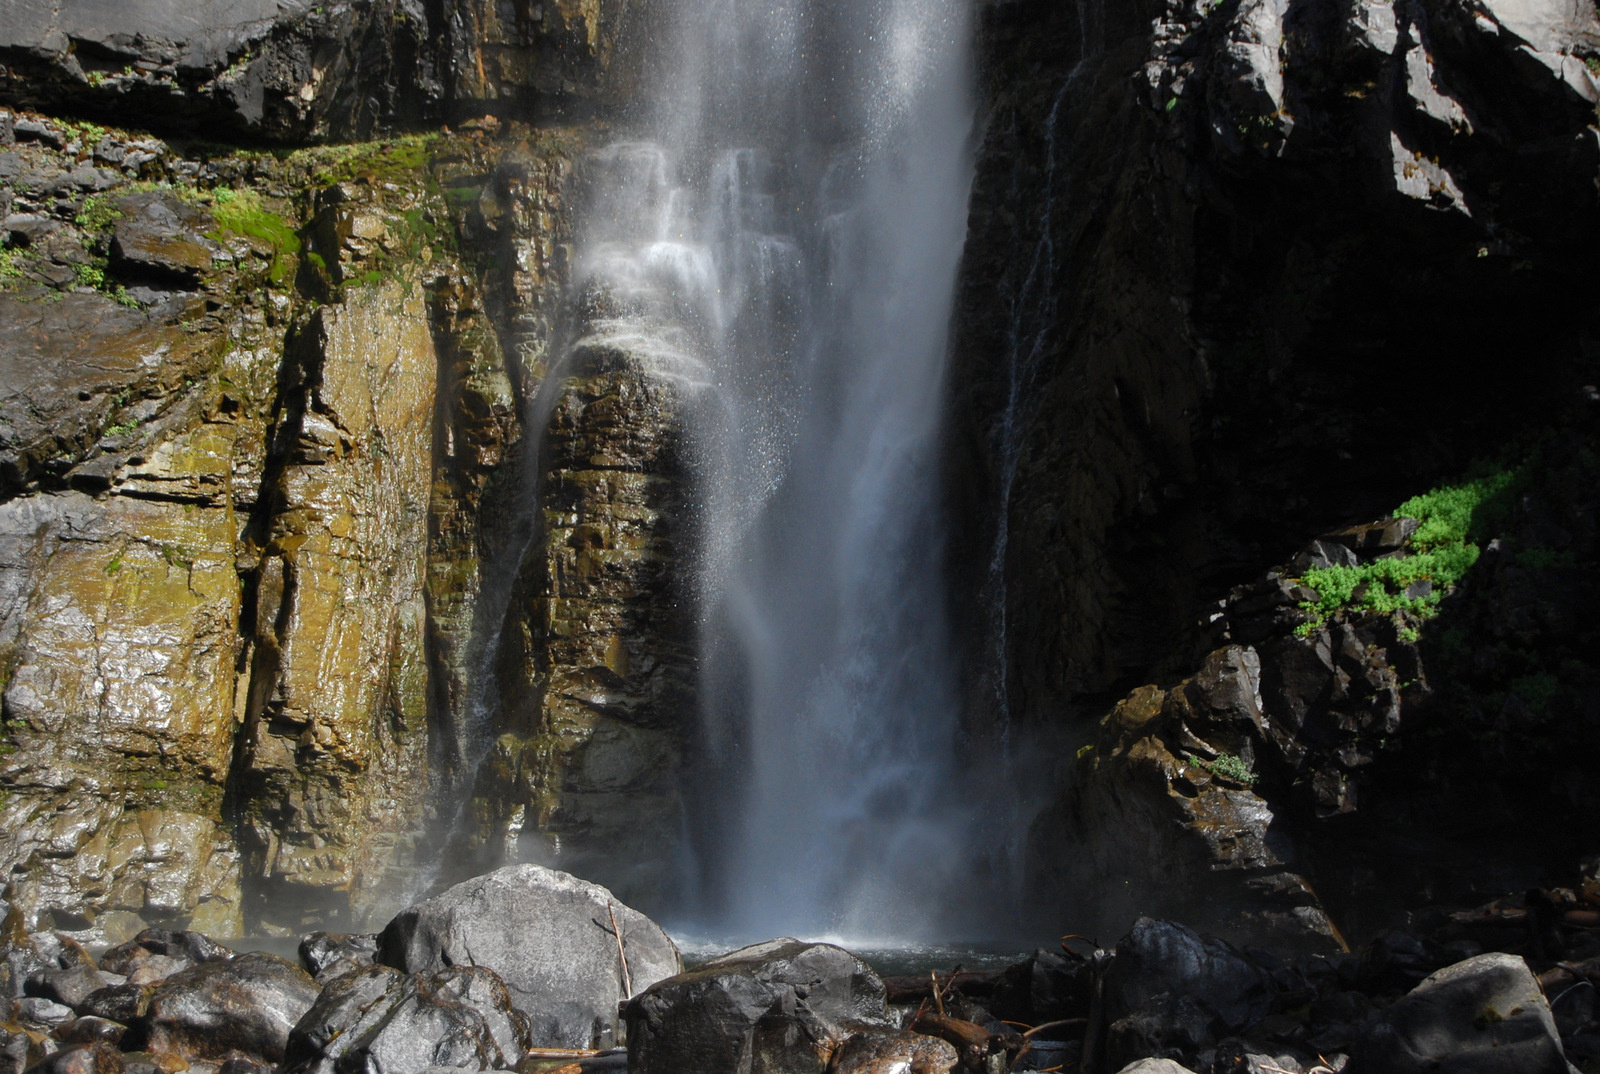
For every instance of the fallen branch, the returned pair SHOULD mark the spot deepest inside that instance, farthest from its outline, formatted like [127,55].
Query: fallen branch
[627,978]
[970,1039]
[1063,1023]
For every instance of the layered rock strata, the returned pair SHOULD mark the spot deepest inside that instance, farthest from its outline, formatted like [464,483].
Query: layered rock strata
[249,441]
[301,71]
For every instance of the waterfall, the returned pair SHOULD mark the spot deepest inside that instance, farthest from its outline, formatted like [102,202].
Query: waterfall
[778,234]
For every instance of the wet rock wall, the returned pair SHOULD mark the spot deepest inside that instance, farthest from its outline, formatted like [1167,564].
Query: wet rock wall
[1214,304]
[1239,275]
[249,499]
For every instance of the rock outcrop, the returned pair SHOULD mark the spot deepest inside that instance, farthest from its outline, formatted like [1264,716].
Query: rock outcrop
[299,71]
[779,1005]
[1225,266]
[562,962]
[245,506]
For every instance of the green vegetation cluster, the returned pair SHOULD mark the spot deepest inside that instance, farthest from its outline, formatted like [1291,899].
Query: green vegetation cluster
[1453,521]
[1228,766]
[245,214]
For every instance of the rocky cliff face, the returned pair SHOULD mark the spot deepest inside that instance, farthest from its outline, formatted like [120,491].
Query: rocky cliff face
[297,71]
[1239,274]
[1227,266]
[275,598]
[249,433]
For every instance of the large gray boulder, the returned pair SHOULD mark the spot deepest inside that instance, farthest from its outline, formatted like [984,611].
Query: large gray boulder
[783,996]
[1486,1015]
[247,1004]
[378,1019]
[548,935]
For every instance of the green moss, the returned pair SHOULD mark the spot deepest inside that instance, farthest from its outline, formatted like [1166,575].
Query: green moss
[90,276]
[245,214]
[1230,767]
[390,160]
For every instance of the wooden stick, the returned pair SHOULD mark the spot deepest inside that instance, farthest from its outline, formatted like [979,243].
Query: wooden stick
[627,978]
[938,996]
[1055,1025]
[568,1053]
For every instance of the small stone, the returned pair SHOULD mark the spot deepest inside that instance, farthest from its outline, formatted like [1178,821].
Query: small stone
[336,953]
[97,1058]
[43,1011]
[88,1029]
[894,1051]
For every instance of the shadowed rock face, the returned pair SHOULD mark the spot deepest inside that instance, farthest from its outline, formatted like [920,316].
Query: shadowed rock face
[597,648]
[299,70]
[1226,265]
[774,1005]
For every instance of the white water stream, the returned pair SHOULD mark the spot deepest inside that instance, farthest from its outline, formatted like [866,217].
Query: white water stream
[779,234]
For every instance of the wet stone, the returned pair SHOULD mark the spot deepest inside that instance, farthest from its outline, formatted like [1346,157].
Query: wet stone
[97,1058]
[43,1011]
[124,1003]
[379,1019]
[88,1029]
[161,237]
[68,987]
[153,1063]
[247,1004]
[894,1051]
[707,1019]
[326,955]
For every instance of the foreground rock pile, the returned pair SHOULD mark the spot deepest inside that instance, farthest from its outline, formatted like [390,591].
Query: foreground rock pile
[531,969]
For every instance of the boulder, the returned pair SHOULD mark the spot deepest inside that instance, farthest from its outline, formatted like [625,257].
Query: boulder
[247,1004]
[159,953]
[97,1058]
[706,1020]
[327,955]
[380,1019]
[1169,990]
[1155,1066]
[894,1051]
[548,936]
[68,987]
[1486,1015]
